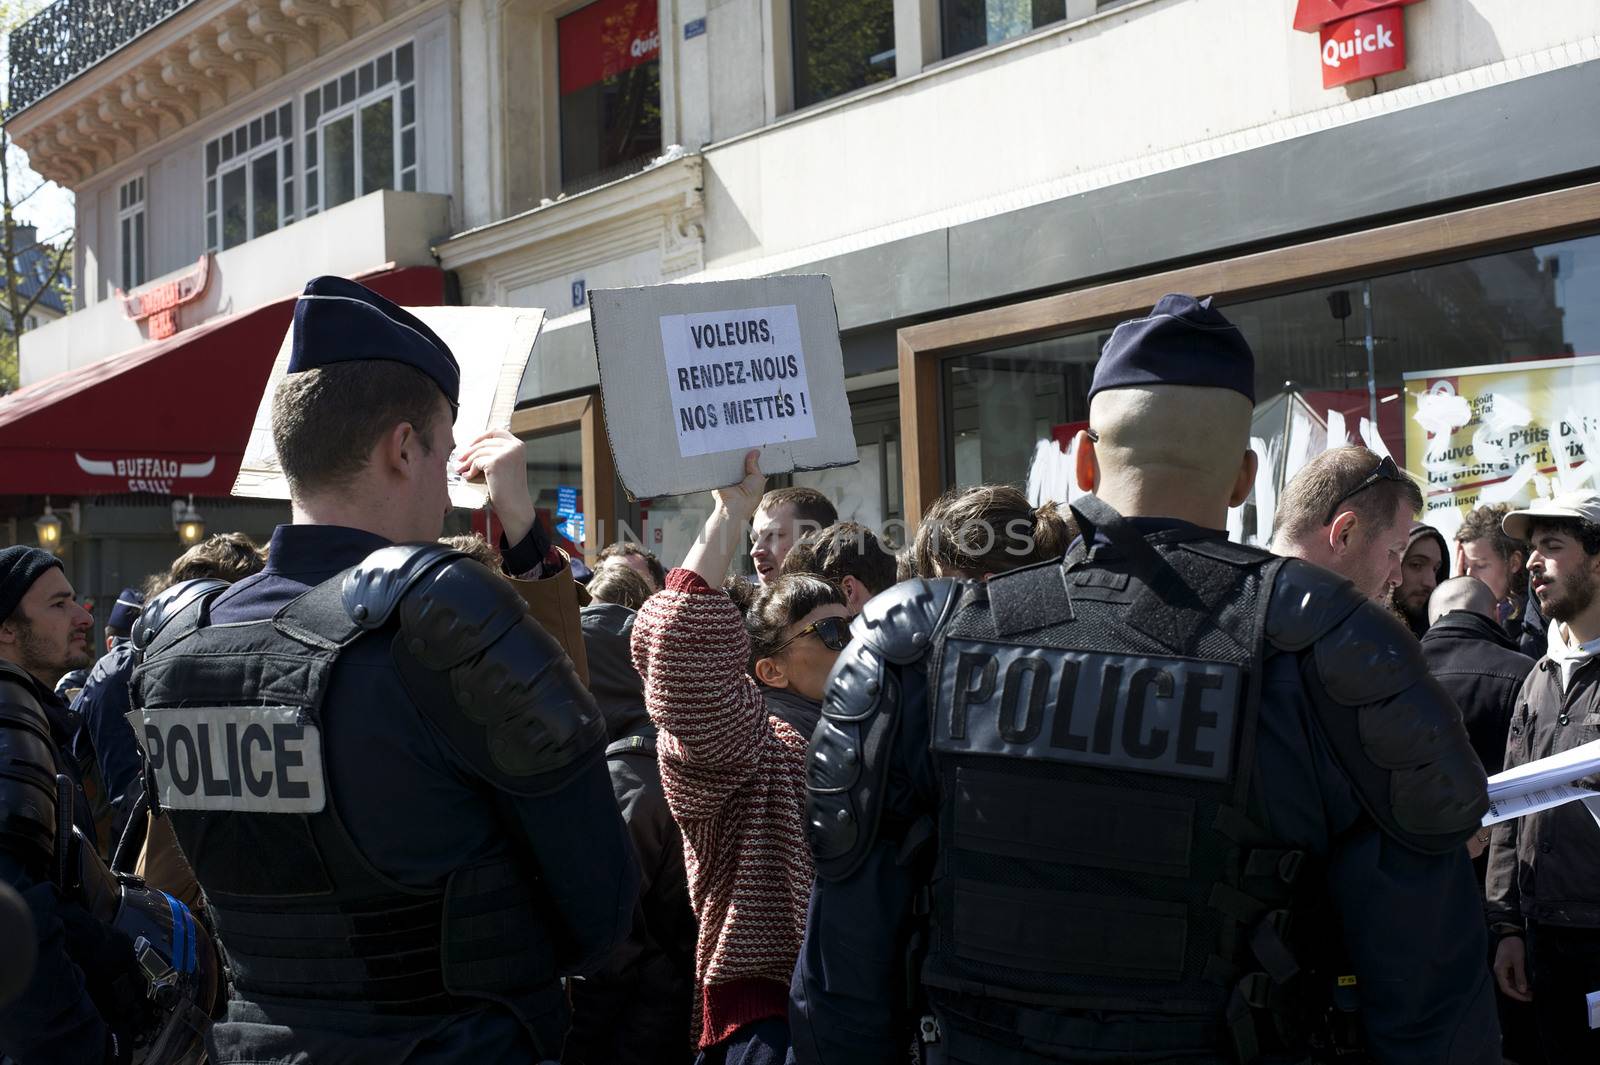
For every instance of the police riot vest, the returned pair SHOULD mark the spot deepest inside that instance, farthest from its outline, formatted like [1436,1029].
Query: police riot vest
[1092,728]
[232,718]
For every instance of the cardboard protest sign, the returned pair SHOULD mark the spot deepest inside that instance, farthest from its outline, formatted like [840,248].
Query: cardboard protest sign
[492,345]
[693,376]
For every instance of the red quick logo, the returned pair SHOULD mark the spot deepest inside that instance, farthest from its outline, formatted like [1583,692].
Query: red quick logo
[1363,46]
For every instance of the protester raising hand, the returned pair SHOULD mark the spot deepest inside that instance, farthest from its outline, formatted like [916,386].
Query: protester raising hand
[499,460]
[713,553]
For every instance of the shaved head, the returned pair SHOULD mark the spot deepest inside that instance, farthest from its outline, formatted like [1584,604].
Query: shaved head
[1171,451]
[1461,593]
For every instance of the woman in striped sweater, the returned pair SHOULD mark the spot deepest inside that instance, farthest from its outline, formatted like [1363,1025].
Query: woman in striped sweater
[733,768]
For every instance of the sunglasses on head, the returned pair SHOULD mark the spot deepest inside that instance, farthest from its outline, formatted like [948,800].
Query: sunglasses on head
[833,632]
[1386,470]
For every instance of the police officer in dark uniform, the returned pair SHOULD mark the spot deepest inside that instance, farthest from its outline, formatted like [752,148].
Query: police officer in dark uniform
[104,743]
[1165,799]
[118,970]
[387,778]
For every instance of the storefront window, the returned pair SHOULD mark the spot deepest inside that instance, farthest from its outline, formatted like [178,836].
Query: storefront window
[840,45]
[610,78]
[555,480]
[970,24]
[1010,413]
[868,492]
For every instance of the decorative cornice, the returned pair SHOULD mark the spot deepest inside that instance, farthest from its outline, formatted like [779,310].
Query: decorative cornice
[199,60]
[660,208]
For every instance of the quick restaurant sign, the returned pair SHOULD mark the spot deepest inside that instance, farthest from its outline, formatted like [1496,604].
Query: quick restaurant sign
[1360,39]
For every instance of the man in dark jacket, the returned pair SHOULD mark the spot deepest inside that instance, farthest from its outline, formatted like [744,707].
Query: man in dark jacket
[70,1009]
[1544,868]
[1474,660]
[636,1010]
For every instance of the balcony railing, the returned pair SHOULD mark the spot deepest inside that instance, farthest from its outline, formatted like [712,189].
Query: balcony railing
[70,36]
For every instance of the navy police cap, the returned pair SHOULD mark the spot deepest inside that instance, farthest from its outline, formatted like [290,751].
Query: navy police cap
[130,604]
[337,320]
[1182,341]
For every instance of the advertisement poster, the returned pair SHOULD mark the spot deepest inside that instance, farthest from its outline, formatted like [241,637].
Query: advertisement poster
[1508,433]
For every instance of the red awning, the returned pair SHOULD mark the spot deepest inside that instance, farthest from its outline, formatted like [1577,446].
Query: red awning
[171,416]
[1311,15]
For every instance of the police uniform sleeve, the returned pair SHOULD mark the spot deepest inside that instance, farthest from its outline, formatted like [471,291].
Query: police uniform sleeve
[1394,732]
[515,714]
[103,704]
[872,797]
[1402,790]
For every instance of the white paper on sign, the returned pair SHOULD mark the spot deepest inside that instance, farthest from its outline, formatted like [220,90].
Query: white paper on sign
[737,379]
[1338,436]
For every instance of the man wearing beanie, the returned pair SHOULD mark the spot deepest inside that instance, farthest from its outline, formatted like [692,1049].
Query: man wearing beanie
[1423,567]
[62,1015]
[1161,799]
[402,819]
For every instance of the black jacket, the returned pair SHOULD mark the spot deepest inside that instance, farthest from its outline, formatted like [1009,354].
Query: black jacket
[1474,660]
[70,1006]
[636,1011]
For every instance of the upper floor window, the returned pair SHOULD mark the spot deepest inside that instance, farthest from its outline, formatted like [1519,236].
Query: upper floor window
[610,77]
[250,179]
[361,131]
[840,45]
[131,232]
[970,24]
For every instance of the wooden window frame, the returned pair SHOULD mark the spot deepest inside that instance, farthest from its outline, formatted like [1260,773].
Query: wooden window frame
[585,414]
[1399,246]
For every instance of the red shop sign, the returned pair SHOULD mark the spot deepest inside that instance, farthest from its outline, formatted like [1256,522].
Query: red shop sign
[158,305]
[1363,47]
[605,39]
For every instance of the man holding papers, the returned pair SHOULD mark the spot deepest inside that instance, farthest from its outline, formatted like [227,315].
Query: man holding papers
[1544,868]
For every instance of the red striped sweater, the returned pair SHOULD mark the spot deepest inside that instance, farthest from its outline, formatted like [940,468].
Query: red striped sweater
[734,778]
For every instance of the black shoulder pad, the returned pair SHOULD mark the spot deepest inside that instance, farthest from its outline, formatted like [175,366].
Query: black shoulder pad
[169,604]
[27,772]
[1396,733]
[899,622]
[374,588]
[517,710]
[847,763]
[1307,601]
[452,610]
[848,758]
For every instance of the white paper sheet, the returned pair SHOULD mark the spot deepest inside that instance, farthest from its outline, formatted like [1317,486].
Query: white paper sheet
[1544,784]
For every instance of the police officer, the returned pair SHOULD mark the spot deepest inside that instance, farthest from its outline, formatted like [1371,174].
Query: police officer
[1165,798]
[103,951]
[104,744]
[386,777]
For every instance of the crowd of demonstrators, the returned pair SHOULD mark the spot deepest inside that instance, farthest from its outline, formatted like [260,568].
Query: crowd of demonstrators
[849,556]
[1486,551]
[732,757]
[638,558]
[782,517]
[975,533]
[1351,511]
[1425,565]
[1544,868]
[119,629]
